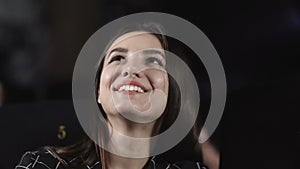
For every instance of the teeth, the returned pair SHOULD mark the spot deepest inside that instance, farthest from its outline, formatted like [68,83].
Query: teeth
[131,88]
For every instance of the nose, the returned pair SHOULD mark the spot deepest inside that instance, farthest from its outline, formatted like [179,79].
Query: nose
[133,74]
[131,71]
[133,65]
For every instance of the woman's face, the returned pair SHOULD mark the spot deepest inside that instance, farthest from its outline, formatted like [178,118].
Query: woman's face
[134,81]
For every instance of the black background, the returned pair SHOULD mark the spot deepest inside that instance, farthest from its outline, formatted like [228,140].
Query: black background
[257,41]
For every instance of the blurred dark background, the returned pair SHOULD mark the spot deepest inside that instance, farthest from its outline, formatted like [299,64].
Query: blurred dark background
[257,41]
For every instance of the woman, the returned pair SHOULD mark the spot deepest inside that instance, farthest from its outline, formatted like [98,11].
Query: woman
[138,99]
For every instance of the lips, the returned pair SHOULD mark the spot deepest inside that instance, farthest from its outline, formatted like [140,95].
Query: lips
[131,87]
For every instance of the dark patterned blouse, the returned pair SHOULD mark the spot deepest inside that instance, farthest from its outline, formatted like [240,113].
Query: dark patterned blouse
[46,160]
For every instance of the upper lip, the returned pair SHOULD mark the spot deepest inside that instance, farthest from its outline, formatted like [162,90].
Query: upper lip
[133,83]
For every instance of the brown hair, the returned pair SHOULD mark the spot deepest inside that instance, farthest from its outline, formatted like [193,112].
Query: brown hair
[90,152]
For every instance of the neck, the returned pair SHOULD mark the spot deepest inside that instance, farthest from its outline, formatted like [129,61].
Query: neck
[119,162]
[125,137]
[133,129]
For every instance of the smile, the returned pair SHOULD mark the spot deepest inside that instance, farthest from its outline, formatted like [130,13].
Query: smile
[131,88]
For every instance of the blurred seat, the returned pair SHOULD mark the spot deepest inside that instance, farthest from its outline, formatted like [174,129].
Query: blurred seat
[28,126]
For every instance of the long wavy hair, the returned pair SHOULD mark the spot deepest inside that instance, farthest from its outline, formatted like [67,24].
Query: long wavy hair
[90,152]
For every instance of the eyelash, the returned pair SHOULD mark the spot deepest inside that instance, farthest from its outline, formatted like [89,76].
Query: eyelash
[149,60]
[116,58]
[152,59]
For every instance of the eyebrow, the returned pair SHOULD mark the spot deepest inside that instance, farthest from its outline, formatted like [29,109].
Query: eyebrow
[153,51]
[146,51]
[122,50]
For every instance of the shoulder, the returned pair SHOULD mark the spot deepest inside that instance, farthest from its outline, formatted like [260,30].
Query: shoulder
[189,165]
[45,159]
[38,160]
[186,164]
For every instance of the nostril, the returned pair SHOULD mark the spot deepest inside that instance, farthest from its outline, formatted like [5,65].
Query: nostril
[125,74]
[136,74]
[131,74]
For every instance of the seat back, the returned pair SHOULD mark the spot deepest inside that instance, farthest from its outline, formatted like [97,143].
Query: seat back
[28,126]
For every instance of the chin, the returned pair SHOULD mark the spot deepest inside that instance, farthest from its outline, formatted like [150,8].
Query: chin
[139,114]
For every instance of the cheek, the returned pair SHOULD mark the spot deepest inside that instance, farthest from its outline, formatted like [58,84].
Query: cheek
[105,82]
[102,87]
[106,77]
[159,80]
[104,91]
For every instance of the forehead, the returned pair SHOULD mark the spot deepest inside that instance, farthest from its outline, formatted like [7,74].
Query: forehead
[137,40]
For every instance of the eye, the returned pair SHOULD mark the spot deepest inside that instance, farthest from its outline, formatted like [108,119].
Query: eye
[118,58]
[154,60]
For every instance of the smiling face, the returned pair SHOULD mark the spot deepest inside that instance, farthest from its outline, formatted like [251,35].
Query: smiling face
[134,82]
